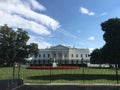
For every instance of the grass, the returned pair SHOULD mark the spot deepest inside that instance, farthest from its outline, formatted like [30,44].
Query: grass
[90,76]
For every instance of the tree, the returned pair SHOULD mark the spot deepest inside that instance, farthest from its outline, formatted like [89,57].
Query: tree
[7,39]
[14,47]
[96,57]
[111,49]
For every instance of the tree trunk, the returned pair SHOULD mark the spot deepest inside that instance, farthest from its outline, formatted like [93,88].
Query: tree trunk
[19,66]
[13,70]
[116,68]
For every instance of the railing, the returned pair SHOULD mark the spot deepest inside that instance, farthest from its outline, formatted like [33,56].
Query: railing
[82,75]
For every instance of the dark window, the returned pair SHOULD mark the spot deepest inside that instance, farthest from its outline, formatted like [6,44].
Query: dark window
[76,55]
[43,61]
[72,55]
[34,61]
[81,55]
[54,55]
[43,55]
[76,61]
[65,55]
[39,55]
[39,61]
[72,62]
[48,55]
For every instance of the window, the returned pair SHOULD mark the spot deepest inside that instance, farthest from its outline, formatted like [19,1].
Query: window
[86,55]
[43,55]
[81,55]
[34,61]
[65,55]
[35,56]
[72,55]
[72,62]
[39,61]
[48,55]
[39,55]
[76,55]
[43,61]
[54,55]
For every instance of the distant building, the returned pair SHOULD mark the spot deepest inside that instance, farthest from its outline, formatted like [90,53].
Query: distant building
[61,55]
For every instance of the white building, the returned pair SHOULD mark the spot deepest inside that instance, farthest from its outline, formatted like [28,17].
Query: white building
[61,55]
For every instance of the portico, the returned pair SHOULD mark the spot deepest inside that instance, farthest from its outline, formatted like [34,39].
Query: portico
[62,55]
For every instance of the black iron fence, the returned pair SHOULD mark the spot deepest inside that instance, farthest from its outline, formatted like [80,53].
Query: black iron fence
[101,74]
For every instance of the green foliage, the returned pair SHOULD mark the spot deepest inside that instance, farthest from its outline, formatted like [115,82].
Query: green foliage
[13,45]
[33,49]
[111,27]
[110,52]
[96,57]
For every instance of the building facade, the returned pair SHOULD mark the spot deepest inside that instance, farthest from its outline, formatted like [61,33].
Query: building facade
[61,55]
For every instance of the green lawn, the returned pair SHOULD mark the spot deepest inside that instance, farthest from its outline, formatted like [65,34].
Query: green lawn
[90,76]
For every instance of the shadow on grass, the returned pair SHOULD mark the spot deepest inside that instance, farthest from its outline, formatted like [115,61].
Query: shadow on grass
[74,77]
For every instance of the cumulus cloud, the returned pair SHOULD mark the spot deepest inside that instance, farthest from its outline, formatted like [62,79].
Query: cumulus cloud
[91,38]
[20,13]
[86,11]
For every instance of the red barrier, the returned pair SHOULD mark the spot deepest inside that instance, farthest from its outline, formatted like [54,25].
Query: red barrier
[51,67]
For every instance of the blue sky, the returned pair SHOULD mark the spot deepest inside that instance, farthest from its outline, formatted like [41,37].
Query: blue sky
[68,22]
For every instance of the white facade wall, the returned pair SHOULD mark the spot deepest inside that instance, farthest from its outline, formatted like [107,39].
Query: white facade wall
[44,54]
[63,53]
[79,54]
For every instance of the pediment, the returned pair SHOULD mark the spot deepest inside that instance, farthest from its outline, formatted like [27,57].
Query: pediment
[59,47]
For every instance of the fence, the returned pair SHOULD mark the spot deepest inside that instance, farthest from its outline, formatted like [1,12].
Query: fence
[82,75]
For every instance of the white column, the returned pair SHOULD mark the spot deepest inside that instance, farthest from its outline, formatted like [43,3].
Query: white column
[63,56]
[57,56]
[51,54]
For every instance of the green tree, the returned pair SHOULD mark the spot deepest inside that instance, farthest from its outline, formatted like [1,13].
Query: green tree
[96,57]
[111,49]
[14,47]
[7,39]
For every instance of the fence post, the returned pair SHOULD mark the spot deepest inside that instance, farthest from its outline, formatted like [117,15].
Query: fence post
[50,69]
[13,71]
[82,69]
[116,69]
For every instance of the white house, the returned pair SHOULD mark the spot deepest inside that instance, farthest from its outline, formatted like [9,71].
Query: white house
[61,55]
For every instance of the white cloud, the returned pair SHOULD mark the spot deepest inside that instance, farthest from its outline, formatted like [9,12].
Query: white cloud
[17,21]
[86,11]
[91,38]
[91,49]
[37,5]
[103,14]
[20,13]
[40,41]
[91,13]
